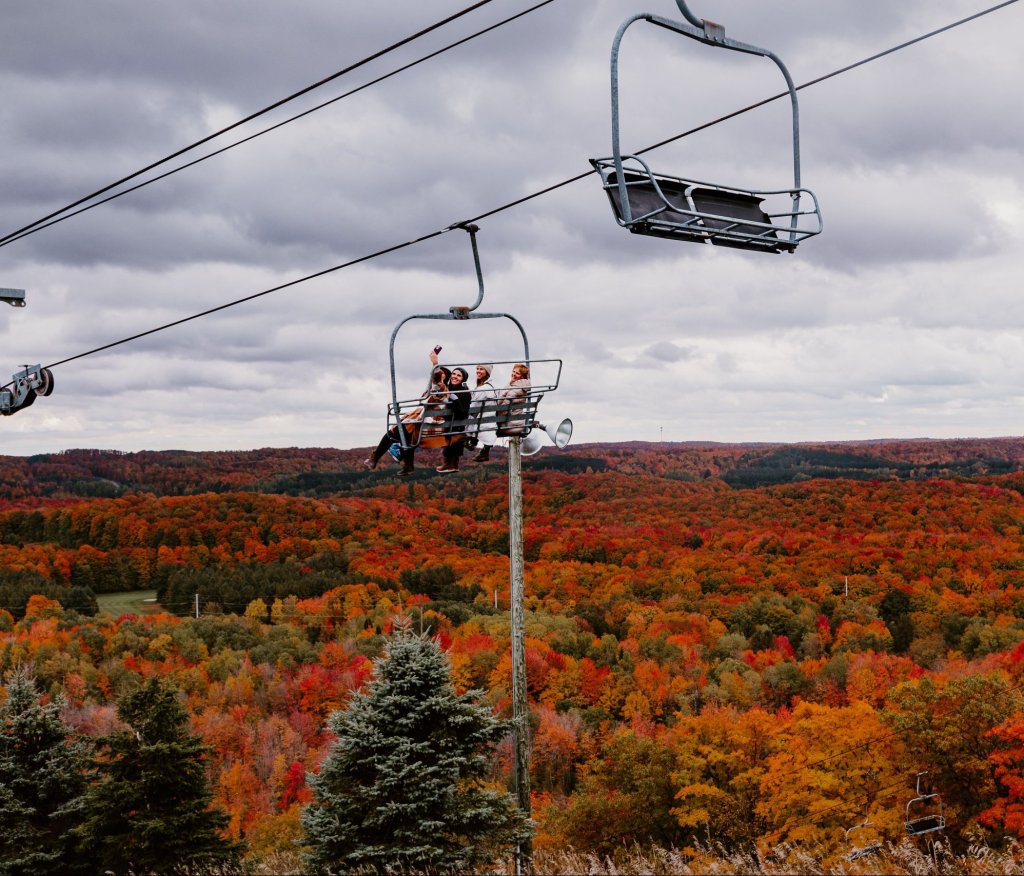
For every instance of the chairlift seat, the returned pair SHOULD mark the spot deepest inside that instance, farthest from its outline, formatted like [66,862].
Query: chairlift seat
[865,852]
[515,417]
[926,824]
[681,209]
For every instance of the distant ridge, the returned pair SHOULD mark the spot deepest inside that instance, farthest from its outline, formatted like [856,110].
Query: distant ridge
[321,471]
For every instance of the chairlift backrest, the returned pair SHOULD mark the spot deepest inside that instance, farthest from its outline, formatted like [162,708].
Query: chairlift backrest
[661,205]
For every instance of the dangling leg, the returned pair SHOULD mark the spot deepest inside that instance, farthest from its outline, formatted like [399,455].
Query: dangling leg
[487,441]
[450,454]
[390,437]
[408,461]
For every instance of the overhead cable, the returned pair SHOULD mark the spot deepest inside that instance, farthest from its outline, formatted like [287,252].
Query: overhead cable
[525,198]
[251,117]
[43,223]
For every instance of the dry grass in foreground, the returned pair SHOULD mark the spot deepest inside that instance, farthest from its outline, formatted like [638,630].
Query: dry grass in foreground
[903,858]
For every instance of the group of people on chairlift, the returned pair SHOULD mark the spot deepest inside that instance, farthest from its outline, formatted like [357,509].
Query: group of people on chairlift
[455,413]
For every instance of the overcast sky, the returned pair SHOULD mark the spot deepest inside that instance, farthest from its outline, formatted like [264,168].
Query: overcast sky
[903,319]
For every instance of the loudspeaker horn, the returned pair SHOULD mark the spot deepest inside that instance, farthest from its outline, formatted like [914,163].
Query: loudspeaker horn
[559,436]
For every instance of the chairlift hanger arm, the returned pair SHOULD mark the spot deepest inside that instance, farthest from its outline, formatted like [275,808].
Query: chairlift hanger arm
[463,312]
[710,34]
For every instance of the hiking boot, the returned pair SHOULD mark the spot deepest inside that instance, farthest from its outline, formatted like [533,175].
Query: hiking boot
[484,455]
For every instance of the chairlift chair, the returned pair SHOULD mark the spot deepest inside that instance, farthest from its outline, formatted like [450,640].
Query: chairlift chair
[433,429]
[857,853]
[31,381]
[924,812]
[662,205]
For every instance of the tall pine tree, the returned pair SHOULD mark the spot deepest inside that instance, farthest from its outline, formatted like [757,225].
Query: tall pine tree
[42,784]
[403,784]
[149,810]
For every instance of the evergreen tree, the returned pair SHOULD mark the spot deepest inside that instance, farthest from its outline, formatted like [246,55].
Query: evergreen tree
[42,783]
[402,786]
[149,810]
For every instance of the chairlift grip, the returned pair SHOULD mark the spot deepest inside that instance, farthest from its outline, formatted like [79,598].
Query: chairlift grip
[462,311]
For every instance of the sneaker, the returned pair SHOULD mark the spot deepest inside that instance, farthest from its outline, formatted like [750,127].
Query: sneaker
[369,463]
[445,469]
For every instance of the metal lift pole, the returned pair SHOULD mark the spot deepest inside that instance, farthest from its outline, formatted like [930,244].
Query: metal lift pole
[520,724]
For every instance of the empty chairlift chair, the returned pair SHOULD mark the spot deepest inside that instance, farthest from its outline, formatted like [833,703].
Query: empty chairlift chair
[865,845]
[924,812]
[663,205]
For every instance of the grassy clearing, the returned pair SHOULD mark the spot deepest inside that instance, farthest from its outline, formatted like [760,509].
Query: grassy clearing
[133,602]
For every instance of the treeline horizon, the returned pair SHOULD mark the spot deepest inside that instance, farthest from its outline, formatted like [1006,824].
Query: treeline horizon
[318,472]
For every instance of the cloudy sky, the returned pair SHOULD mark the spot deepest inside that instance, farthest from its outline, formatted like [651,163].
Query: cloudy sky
[903,319]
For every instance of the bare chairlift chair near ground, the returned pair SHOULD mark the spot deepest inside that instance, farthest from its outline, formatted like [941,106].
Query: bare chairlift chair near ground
[517,418]
[661,205]
[924,812]
[856,853]
[25,385]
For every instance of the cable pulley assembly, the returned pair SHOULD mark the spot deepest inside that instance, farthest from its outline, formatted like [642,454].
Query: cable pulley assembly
[32,381]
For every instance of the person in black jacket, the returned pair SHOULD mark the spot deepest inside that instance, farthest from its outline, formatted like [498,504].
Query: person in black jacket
[460,397]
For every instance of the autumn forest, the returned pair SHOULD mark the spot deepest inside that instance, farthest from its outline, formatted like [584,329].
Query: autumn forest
[748,646]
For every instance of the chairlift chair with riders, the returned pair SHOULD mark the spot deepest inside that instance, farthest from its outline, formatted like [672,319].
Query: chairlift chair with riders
[924,812]
[431,428]
[662,205]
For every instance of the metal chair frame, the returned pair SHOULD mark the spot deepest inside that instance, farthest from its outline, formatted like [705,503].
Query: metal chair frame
[858,853]
[684,219]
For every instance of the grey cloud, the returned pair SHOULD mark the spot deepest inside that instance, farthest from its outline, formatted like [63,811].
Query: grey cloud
[666,351]
[910,293]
